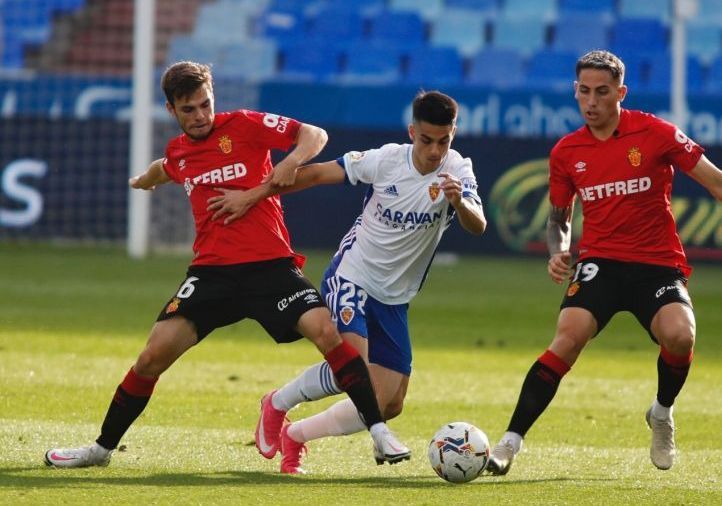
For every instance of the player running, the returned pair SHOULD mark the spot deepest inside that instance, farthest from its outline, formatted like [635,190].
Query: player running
[243,270]
[619,164]
[414,193]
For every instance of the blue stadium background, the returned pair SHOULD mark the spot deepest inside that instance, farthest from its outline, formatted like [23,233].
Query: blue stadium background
[351,66]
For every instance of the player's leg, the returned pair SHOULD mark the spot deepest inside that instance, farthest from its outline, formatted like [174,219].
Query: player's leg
[389,355]
[575,327]
[168,340]
[200,304]
[673,327]
[342,418]
[346,302]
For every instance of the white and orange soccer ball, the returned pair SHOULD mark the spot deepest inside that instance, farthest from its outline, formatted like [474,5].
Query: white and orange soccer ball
[459,452]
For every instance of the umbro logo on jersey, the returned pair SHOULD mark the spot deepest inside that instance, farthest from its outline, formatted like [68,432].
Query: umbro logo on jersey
[391,190]
[580,166]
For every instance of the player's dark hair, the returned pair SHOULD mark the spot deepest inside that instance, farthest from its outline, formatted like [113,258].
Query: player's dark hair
[183,78]
[435,107]
[602,60]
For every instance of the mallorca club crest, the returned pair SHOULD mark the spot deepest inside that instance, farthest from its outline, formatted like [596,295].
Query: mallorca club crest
[634,156]
[347,313]
[172,306]
[573,289]
[225,144]
[434,191]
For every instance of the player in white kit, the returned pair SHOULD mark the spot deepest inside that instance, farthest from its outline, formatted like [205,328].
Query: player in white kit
[415,190]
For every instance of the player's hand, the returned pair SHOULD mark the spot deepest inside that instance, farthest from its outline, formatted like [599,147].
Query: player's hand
[233,203]
[559,266]
[451,186]
[138,183]
[282,175]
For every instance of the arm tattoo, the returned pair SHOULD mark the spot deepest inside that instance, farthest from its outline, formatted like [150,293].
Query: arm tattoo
[559,229]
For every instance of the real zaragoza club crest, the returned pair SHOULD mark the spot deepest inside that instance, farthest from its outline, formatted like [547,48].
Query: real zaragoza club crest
[225,144]
[634,156]
[434,191]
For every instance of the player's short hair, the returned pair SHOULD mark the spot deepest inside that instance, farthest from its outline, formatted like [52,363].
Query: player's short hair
[183,78]
[602,60]
[435,107]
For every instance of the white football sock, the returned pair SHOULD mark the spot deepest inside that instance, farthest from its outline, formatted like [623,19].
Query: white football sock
[515,439]
[316,382]
[340,419]
[660,412]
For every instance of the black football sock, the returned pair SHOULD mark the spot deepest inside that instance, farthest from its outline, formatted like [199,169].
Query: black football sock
[672,372]
[537,392]
[130,398]
[353,377]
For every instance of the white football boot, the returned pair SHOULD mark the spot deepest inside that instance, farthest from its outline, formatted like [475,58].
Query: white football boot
[86,456]
[663,449]
[387,448]
[501,458]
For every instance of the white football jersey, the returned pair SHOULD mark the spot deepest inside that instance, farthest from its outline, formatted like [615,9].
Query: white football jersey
[390,247]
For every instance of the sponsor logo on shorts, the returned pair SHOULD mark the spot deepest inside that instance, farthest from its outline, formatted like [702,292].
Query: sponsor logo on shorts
[669,288]
[172,306]
[286,301]
[346,314]
[311,298]
[573,289]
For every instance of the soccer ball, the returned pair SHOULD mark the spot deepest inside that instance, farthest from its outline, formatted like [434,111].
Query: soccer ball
[459,452]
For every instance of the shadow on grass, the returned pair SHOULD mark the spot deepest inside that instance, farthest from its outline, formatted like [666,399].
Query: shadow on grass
[35,477]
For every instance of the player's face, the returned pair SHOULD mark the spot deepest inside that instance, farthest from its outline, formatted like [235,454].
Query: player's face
[599,96]
[431,144]
[195,112]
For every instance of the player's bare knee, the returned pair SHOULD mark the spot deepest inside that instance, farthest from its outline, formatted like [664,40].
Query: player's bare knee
[393,409]
[678,338]
[327,336]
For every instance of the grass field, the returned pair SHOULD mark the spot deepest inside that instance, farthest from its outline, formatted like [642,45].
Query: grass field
[73,320]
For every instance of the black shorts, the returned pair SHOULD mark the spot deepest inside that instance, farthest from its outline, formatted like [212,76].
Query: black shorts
[605,287]
[275,293]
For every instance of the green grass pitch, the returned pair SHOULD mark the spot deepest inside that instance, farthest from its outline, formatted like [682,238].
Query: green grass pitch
[72,321]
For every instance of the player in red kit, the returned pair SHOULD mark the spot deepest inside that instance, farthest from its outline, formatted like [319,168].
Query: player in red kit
[243,270]
[620,166]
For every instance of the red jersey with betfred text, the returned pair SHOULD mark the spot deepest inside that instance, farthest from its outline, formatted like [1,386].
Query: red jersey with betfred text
[236,155]
[624,185]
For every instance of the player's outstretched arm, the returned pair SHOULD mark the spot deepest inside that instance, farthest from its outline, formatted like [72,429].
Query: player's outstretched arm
[309,143]
[709,176]
[235,203]
[559,240]
[152,177]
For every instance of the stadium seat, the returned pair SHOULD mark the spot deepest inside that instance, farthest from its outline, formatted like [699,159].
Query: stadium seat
[187,47]
[522,34]
[252,60]
[596,8]
[437,66]
[631,35]
[310,60]
[579,33]
[282,26]
[498,68]
[488,8]
[713,83]
[710,11]
[398,29]
[427,9]
[224,22]
[541,10]
[372,64]
[659,10]
[22,26]
[704,39]
[660,75]
[551,70]
[461,29]
[336,23]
